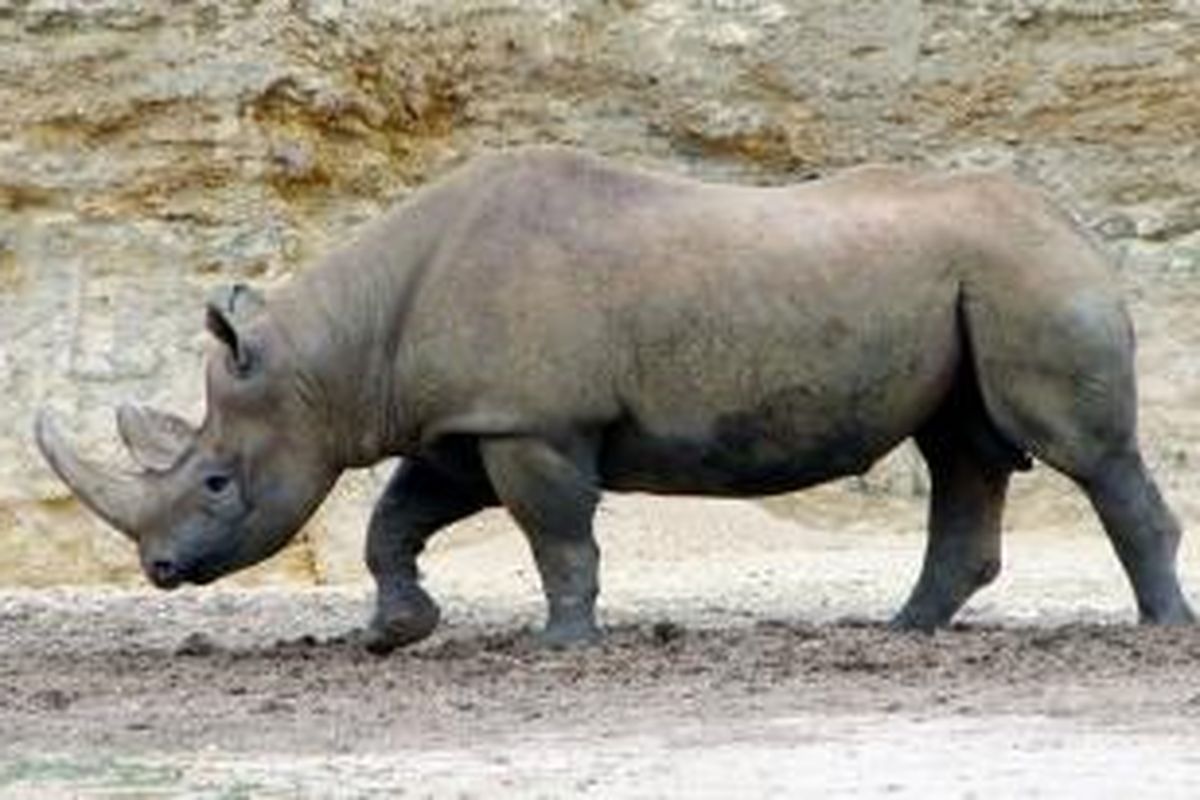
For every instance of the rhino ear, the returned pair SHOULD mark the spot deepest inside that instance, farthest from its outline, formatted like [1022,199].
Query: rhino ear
[227,310]
[156,439]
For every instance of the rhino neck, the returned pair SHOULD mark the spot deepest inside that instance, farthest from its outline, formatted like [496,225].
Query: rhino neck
[345,319]
[348,315]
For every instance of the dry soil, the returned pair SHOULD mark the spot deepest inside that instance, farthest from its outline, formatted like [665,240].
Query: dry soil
[748,660]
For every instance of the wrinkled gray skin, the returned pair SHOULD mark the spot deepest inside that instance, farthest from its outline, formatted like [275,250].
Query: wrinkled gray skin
[543,325]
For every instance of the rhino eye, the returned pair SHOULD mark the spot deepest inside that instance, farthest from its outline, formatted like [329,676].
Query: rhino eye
[216,484]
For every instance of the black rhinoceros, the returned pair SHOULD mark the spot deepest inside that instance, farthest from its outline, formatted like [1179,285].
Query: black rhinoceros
[543,325]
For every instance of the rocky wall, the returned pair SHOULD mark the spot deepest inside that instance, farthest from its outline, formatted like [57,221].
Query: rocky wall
[150,150]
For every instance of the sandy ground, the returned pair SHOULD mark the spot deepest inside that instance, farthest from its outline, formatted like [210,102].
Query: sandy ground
[744,658]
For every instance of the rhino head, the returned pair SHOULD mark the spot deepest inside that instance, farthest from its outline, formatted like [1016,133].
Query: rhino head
[212,500]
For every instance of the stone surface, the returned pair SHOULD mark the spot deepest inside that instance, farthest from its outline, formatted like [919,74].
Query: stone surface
[152,149]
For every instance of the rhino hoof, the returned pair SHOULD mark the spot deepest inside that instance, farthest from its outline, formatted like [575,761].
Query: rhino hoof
[402,622]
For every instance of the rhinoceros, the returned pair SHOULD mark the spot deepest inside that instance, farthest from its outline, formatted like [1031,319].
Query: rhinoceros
[543,325]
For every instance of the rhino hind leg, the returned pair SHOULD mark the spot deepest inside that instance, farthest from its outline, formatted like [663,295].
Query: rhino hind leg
[552,494]
[1144,533]
[1063,387]
[1096,446]
[419,501]
[969,466]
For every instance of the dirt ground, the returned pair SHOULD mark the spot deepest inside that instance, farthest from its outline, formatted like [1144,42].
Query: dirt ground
[746,659]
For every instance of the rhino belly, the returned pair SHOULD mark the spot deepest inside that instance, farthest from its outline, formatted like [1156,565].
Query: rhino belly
[712,432]
[762,451]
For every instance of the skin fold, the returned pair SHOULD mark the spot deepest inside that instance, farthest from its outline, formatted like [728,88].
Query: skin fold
[543,325]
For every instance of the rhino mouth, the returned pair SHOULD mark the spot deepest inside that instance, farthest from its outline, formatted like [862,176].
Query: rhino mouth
[203,577]
[193,559]
[168,576]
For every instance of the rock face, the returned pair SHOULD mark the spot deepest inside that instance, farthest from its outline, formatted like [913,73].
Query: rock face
[150,149]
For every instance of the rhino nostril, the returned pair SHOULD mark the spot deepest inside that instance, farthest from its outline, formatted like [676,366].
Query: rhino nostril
[164,572]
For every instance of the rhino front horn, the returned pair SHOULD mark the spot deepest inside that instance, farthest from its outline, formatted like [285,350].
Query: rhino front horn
[120,498]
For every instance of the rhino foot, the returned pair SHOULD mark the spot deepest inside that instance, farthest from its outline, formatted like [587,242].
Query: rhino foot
[909,621]
[560,636]
[402,617]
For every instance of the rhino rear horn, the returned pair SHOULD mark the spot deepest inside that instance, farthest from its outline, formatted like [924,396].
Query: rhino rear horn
[157,440]
[120,498]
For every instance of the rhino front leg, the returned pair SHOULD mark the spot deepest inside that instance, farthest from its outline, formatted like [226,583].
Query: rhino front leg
[419,501]
[552,495]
